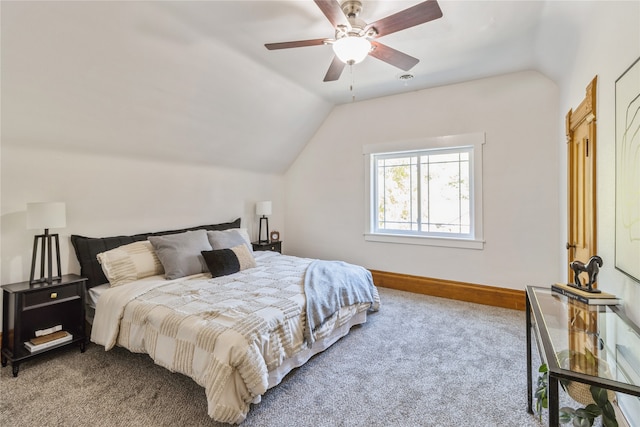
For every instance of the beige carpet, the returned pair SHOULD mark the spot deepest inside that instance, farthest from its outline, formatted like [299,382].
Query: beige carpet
[420,361]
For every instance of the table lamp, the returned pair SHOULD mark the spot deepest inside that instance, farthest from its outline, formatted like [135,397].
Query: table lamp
[46,215]
[264,209]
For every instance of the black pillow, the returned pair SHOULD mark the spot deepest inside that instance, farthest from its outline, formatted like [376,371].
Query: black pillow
[221,262]
[87,248]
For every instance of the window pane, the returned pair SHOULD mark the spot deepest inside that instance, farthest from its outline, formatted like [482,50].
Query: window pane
[443,197]
[445,193]
[398,161]
[396,193]
[440,158]
[380,193]
[465,196]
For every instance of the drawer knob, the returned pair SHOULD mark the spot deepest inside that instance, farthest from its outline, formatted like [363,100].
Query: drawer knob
[54,295]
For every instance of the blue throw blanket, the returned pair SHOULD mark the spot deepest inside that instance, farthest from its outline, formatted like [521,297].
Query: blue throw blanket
[330,285]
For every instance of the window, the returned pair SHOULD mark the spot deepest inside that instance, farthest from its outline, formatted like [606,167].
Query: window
[423,192]
[426,192]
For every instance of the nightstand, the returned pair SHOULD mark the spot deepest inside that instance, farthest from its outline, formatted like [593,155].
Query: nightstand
[29,308]
[267,246]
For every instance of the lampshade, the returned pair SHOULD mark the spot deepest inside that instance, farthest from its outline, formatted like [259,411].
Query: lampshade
[263,208]
[352,49]
[46,215]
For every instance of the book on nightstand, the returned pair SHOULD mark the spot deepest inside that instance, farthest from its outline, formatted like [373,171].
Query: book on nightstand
[590,298]
[47,341]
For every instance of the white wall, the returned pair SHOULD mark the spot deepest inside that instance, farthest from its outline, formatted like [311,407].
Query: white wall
[608,46]
[108,196]
[325,186]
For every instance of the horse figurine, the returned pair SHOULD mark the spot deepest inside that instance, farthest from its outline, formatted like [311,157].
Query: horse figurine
[592,267]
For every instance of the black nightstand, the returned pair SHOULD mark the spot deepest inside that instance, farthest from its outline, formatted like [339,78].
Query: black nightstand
[268,246]
[29,308]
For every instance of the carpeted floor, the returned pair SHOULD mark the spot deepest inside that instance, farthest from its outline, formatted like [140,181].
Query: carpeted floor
[419,361]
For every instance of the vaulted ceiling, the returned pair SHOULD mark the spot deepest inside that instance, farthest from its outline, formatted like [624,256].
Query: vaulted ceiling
[191,81]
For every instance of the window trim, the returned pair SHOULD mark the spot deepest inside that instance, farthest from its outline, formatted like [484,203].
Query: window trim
[475,140]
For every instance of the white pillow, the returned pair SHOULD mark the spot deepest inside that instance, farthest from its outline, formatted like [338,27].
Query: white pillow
[227,239]
[129,263]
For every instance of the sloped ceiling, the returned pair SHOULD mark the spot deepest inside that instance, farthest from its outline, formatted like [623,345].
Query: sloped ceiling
[191,81]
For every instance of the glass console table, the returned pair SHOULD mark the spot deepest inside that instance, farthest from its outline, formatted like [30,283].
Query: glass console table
[566,331]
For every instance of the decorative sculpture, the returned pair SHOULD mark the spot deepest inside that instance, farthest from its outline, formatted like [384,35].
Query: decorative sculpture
[592,267]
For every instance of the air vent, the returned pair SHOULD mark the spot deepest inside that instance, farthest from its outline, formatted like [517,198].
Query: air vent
[405,77]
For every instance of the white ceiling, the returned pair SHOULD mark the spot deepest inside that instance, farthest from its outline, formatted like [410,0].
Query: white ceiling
[191,81]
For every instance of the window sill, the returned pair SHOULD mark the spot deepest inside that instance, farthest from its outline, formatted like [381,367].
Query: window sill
[425,241]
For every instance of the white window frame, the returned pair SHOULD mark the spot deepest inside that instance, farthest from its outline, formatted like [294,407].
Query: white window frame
[476,238]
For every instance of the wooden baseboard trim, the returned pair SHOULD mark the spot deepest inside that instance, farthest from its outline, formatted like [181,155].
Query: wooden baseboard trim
[479,294]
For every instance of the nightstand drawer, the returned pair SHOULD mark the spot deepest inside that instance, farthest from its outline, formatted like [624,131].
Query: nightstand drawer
[267,246]
[51,296]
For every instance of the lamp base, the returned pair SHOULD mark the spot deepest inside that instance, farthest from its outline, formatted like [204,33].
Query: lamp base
[266,220]
[46,249]
[47,280]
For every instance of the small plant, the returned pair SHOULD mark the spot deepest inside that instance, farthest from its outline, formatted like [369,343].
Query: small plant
[541,396]
[585,417]
[581,417]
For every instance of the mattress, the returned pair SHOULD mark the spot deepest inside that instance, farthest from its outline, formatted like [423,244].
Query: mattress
[93,294]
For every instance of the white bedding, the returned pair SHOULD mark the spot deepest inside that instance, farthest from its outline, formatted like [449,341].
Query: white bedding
[235,335]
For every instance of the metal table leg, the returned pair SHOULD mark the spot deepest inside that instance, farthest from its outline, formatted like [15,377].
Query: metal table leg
[529,373]
[554,406]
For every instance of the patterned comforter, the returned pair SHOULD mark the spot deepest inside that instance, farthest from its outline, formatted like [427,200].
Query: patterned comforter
[226,333]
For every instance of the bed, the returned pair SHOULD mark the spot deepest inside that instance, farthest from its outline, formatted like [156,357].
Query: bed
[233,320]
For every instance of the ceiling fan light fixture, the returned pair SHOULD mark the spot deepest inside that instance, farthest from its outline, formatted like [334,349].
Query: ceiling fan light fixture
[352,49]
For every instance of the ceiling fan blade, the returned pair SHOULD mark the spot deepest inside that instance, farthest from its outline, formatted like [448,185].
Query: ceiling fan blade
[392,56]
[299,43]
[333,12]
[416,15]
[334,71]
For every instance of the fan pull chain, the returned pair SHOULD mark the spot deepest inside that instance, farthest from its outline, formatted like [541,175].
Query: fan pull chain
[353,95]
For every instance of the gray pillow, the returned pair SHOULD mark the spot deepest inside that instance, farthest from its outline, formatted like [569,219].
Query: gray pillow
[180,254]
[228,239]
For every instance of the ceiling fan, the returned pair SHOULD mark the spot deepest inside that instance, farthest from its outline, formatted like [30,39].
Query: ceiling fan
[354,38]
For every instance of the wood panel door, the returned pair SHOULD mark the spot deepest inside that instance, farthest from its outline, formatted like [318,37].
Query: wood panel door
[581,179]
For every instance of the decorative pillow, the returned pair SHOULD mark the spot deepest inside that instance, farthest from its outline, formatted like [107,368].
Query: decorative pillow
[87,248]
[130,262]
[222,262]
[229,238]
[180,253]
